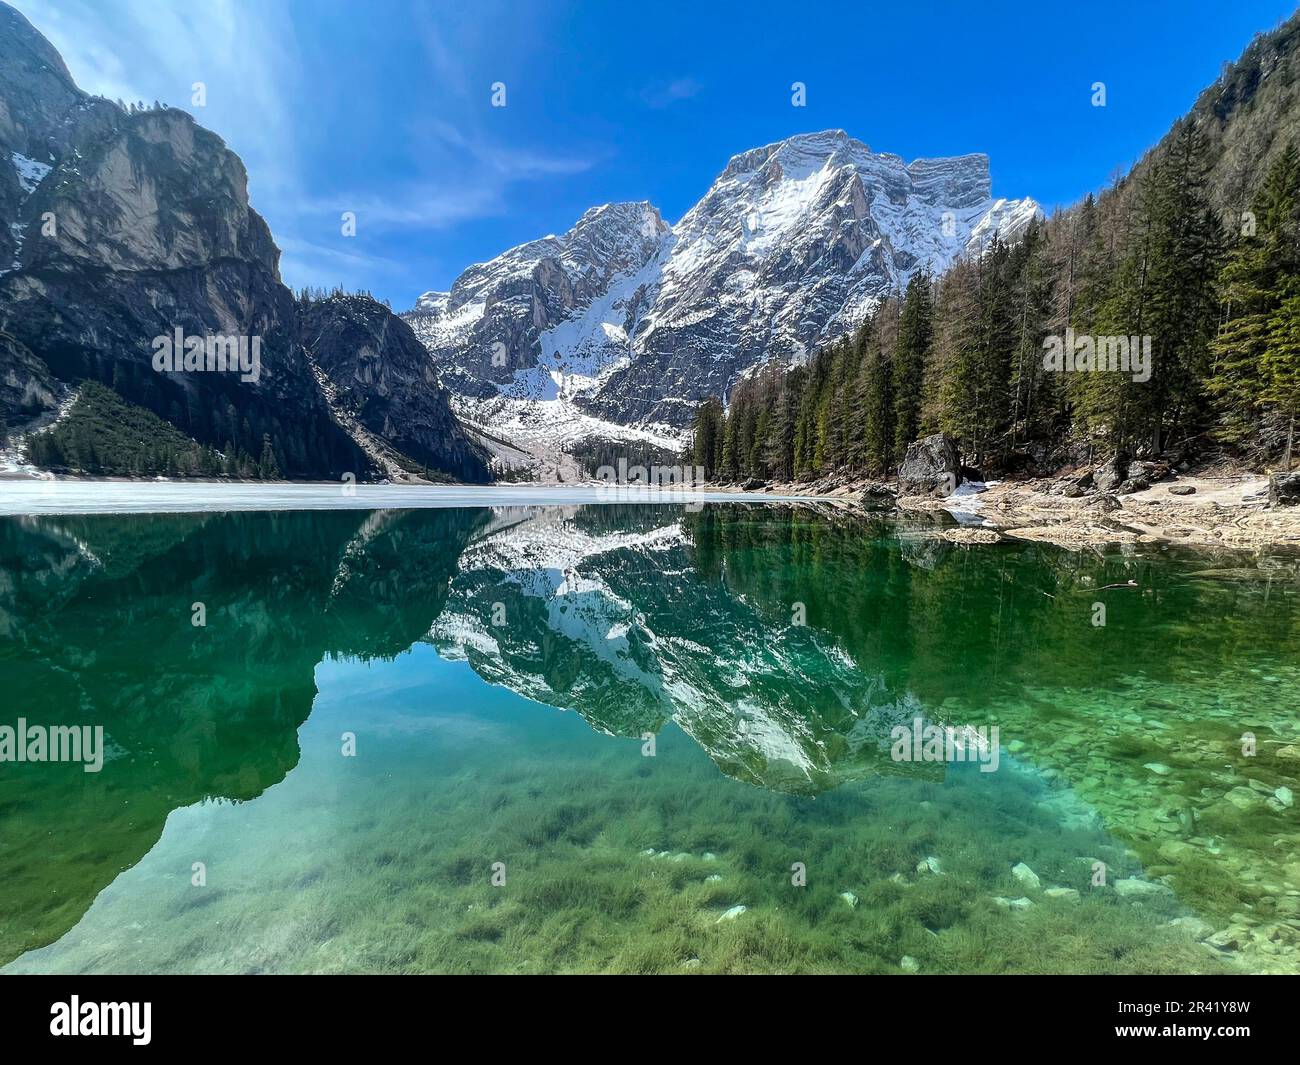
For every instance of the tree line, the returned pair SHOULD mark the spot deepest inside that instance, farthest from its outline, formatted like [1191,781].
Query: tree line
[1215,299]
[104,435]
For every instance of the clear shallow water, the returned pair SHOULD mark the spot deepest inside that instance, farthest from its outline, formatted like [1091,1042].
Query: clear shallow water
[498,668]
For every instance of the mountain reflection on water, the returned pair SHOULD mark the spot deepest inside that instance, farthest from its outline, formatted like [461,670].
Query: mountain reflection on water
[784,640]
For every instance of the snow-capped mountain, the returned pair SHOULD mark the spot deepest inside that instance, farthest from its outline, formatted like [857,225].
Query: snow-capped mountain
[620,326]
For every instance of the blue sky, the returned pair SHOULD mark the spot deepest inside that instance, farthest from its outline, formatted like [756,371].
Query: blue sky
[383,107]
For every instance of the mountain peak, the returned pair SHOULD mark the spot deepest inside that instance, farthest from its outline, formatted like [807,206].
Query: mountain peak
[801,148]
[630,320]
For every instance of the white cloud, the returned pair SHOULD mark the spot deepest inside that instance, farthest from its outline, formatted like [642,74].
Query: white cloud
[261,100]
[242,50]
[662,94]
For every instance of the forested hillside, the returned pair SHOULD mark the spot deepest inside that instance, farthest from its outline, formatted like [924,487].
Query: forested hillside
[1195,257]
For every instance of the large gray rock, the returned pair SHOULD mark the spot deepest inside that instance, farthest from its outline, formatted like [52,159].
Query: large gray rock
[1284,489]
[1112,473]
[932,466]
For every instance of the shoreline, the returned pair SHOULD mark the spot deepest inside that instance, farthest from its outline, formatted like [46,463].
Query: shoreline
[1228,510]
[1220,512]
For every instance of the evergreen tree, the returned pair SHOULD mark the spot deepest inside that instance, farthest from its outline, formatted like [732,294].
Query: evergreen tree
[1252,285]
[915,336]
[1282,367]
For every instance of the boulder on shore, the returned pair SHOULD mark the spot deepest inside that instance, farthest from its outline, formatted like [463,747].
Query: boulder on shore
[932,466]
[1284,489]
[1111,474]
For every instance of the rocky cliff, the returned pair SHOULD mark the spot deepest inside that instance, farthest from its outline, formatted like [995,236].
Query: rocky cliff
[383,377]
[126,230]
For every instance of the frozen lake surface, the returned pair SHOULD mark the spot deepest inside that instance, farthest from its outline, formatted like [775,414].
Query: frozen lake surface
[21,496]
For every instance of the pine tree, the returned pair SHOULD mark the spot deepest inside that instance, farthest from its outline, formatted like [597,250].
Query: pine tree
[1168,284]
[915,337]
[1282,367]
[1252,285]
[267,468]
[706,439]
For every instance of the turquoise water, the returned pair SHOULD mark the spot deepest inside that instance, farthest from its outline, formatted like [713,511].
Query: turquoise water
[409,741]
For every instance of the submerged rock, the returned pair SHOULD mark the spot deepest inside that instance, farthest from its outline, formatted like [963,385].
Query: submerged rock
[1193,926]
[731,914]
[849,897]
[1026,876]
[1013,904]
[1067,894]
[1228,939]
[879,497]
[1243,798]
[1133,888]
[909,964]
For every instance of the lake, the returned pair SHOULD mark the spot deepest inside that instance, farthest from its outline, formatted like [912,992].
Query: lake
[551,736]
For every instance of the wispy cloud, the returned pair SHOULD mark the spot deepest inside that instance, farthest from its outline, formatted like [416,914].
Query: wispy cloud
[661,94]
[243,51]
[420,206]
[475,176]
[305,262]
[404,160]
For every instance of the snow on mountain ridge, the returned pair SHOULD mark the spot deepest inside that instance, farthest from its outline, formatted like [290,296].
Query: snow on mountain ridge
[632,321]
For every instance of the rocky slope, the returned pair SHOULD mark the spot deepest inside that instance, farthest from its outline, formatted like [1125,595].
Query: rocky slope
[625,321]
[120,227]
[384,378]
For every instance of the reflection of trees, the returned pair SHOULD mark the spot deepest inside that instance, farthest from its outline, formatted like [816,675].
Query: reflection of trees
[95,628]
[942,619]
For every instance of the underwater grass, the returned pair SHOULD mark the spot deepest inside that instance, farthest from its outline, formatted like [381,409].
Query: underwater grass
[393,875]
